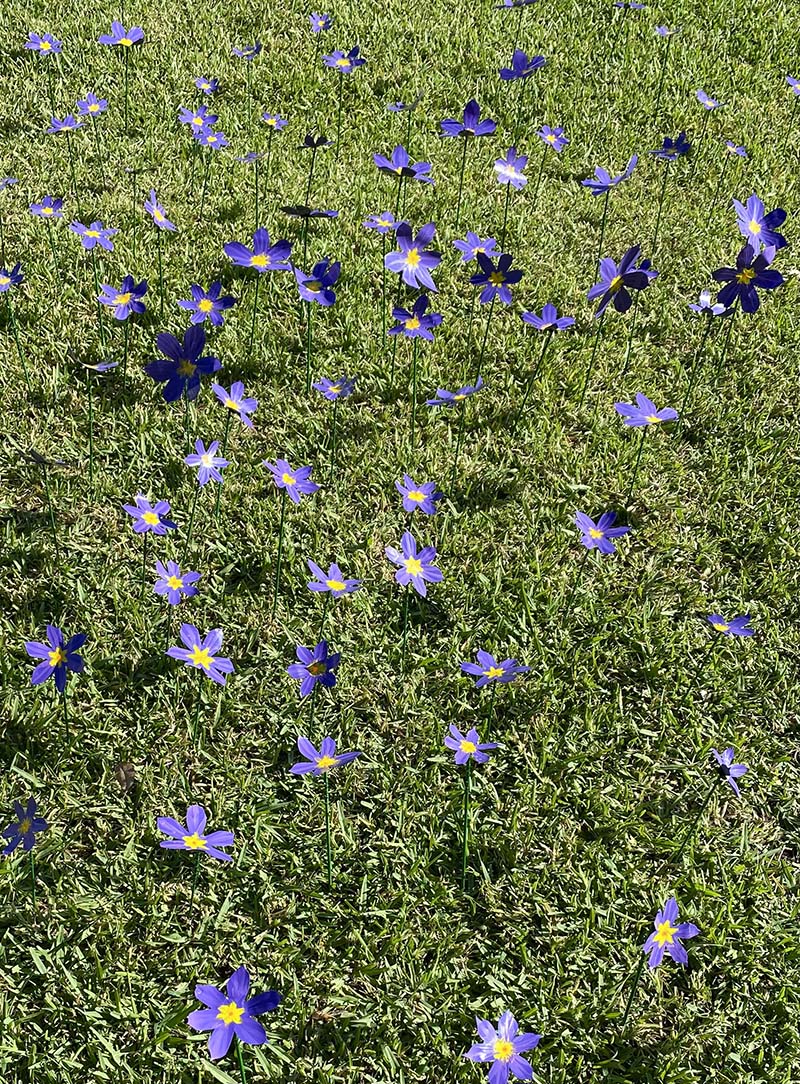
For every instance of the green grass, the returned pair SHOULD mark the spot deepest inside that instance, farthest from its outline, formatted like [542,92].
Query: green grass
[604,758]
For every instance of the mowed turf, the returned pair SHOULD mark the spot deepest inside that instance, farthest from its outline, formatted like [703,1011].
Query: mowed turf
[605,745]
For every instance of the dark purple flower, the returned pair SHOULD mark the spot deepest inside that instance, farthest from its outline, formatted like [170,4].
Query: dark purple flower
[25,828]
[400,165]
[57,657]
[314,667]
[471,125]
[522,66]
[743,281]
[416,323]
[496,279]
[247,52]
[616,281]
[673,149]
[182,368]
[318,286]
[603,182]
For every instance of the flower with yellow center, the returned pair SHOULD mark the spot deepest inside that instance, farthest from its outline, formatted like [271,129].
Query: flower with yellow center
[195,842]
[665,933]
[175,582]
[335,585]
[205,305]
[746,275]
[57,657]
[200,657]
[468,746]
[230,1013]
[413,257]
[92,233]
[259,260]
[413,566]
[150,518]
[497,278]
[494,672]
[503,1049]
[24,826]
[615,284]
[324,763]
[594,533]
[123,299]
[186,368]
[288,479]
[412,324]
[720,626]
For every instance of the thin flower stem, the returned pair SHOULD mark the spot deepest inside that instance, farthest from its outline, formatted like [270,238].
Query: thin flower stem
[325,605]
[465,827]
[333,437]
[720,179]
[705,659]
[307,203]
[311,707]
[459,440]
[98,148]
[33,880]
[634,985]
[308,346]
[468,339]
[383,289]
[255,171]
[280,553]
[576,580]
[414,394]
[588,374]
[65,708]
[700,139]
[602,230]
[196,723]
[125,354]
[134,208]
[206,172]
[126,90]
[50,508]
[71,165]
[188,543]
[662,75]
[268,167]
[53,252]
[523,84]
[725,341]
[405,627]
[339,114]
[505,218]
[145,540]
[91,432]
[195,875]
[187,438]
[228,415]
[627,361]
[660,206]
[529,388]
[253,322]
[517,30]
[635,474]
[328,830]
[485,337]
[461,181]
[490,712]
[160,273]
[539,175]
[15,330]
[696,366]
[100,321]
[397,197]
[240,1059]
[693,826]
[394,337]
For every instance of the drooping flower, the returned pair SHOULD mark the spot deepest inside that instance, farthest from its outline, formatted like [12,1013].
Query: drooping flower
[68,124]
[598,535]
[247,52]
[729,771]
[331,581]
[319,761]
[92,106]
[553,137]
[751,274]
[416,497]
[468,746]
[201,653]
[705,304]
[734,626]
[735,149]
[149,518]
[25,828]
[183,366]
[315,666]
[122,37]
[264,256]
[603,182]
[453,398]
[345,63]
[413,260]
[415,568]
[318,286]
[522,66]
[793,83]
[237,401]
[471,124]
[665,937]
[496,279]
[644,413]
[232,1013]
[488,670]
[673,149]
[707,102]
[157,212]
[472,244]
[193,836]
[334,390]
[57,657]
[126,299]
[94,234]
[297,483]
[209,463]
[14,277]
[616,281]
[416,323]
[43,44]
[49,207]
[400,165]
[173,584]
[757,227]
[503,1047]
[666,32]
[207,304]
[549,320]
[509,169]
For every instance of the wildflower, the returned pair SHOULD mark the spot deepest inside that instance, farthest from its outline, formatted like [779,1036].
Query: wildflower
[616,281]
[503,1046]
[232,1013]
[49,207]
[673,149]
[729,771]
[301,211]
[335,389]
[173,583]
[68,124]
[206,85]
[318,286]
[470,246]
[193,837]
[297,483]
[549,320]
[197,118]
[757,227]
[496,280]
[320,760]
[793,83]
[157,212]
[207,138]
[345,63]
[416,323]
[509,169]
[120,36]
[451,398]
[237,401]
[667,934]
[705,304]
[332,580]
[207,305]
[211,465]
[708,103]
[25,829]
[471,125]
[750,274]
[7,182]
[314,667]
[415,568]
[417,497]
[125,300]
[666,32]
[91,105]
[43,44]
[275,121]
[413,260]
[182,368]
[488,670]
[735,626]
[383,223]
[598,535]
[644,413]
[94,234]
[400,165]
[404,107]
[58,656]
[603,182]
[522,66]
[247,52]
[553,137]
[320,22]
[10,278]
[201,653]
[468,746]
[735,149]
[149,518]
[264,257]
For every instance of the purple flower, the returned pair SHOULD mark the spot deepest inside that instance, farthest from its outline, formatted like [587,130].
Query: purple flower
[180,371]
[735,626]
[452,398]
[471,125]
[616,281]
[320,22]
[666,32]
[157,212]
[264,257]
[10,278]
[743,281]
[314,667]
[94,234]
[318,286]
[232,1013]
[197,118]
[207,138]
[384,222]
[296,482]
[91,105]
[757,227]
[43,44]
[549,320]
[734,148]
[206,85]
[729,771]
[645,412]
[673,149]
[344,63]
[68,124]
[207,304]
[332,581]
[603,182]
[468,746]
[496,279]
[488,670]
[503,1046]
[334,390]
[706,102]
[201,653]
[58,656]
[414,568]
[509,169]
[193,837]
[400,165]
[412,259]
[522,66]
[320,760]
[793,83]
[705,304]
[173,583]
[149,518]
[126,299]
[473,244]
[416,323]
[274,121]
[666,935]
[247,52]
[598,535]
[237,401]
[25,829]
[553,137]
[417,497]
[50,207]
[211,465]
[120,36]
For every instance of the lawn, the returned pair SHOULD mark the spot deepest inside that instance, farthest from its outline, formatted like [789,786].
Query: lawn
[604,762]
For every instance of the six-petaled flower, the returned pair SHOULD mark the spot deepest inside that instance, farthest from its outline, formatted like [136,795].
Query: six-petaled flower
[616,281]
[751,274]
[209,464]
[149,518]
[496,279]
[553,137]
[549,320]
[522,66]
[264,256]
[232,1014]
[173,584]
[644,412]
[667,934]
[193,836]
[181,369]
[344,63]
[314,667]
[503,1047]
[236,401]
[56,657]
[25,828]
[453,398]
[733,626]
[416,322]
[603,182]
[157,212]
[331,581]
[414,567]
[729,771]
[318,286]
[598,536]
[413,260]
[207,304]
[488,670]
[757,227]
[296,483]
[319,761]
[400,165]
[200,652]
[125,300]
[468,746]
[471,124]
[418,497]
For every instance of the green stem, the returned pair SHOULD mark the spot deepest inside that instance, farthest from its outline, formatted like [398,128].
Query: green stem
[66,708]
[575,581]
[144,564]
[125,354]
[505,218]
[461,181]
[459,439]
[33,880]
[660,205]
[196,724]
[637,976]
[321,633]
[134,209]
[529,388]
[240,1059]
[53,252]
[308,347]
[268,167]
[255,170]
[720,179]
[631,330]
[395,337]
[333,437]
[96,136]
[465,829]
[602,230]
[188,542]
[228,415]
[328,829]
[692,827]
[635,474]
[588,374]
[280,554]
[253,323]
[160,273]
[339,114]
[490,712]
[126,90]
[383,288]
[91,432]
[13,321]
[97,301]
[405,626]
[539,175]
[661,77]
[206,172]
[696,366]
[71,164]
[414,394]
[195,876]
[485,337]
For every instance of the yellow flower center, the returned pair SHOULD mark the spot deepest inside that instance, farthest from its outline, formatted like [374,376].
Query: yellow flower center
[502,1049]
[459,396]
[197,122]
[334,389]
[92,233]
[497,278]
[123,299]
[493,672]
[755,227]
[287,479]
[416,495]
[260,260]
[231,1013]
[384,222]
[746,275]
[45,46]
[194,842]
[200,657]
[271,122]
[157,215]
[720,626]
[468,747]
[665,933]
[125,41]
[57,657]
[413,566]
[47,210]
[205,305]
[175,582]
[24,826]
[615,283]
[413,257]
[4,280]
[652,419]
[342,62]
[594,533]
[412,324]
[314,285]
[150,518]
[212,139]
[206,460]
[94,107]
[551,138]
[326,762]
[231,405]
[335,585]
[186,367]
